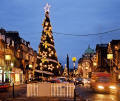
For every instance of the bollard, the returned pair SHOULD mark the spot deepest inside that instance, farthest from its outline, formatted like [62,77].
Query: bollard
[13,91]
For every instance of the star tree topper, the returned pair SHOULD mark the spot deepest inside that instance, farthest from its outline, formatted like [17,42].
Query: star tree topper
[47,8]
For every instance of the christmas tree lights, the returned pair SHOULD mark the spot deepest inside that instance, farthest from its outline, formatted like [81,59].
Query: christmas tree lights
[47,53]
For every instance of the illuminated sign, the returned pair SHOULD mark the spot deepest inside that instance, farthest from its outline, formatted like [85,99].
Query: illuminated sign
[110,56]
[7,57]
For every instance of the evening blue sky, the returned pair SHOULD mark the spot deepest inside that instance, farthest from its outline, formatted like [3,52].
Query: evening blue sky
[67,16]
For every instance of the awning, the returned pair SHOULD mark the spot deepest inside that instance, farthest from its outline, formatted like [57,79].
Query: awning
[45,72]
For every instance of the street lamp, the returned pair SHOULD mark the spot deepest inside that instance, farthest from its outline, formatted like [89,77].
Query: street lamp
[74,60]
[30,66]
[12,64]
[8,65]
[94,64]
[110,56]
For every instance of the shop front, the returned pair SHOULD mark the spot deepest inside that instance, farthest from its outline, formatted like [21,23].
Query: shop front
[0,75]
[17,76]
[5,76]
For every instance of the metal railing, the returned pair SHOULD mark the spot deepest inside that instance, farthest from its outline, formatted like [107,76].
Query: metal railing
[50,90]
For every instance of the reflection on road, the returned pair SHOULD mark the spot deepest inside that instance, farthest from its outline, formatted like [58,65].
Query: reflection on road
[89,95]
[102,97]
[19,90]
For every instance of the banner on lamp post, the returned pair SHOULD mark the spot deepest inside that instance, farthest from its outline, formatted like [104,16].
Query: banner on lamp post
[110,56]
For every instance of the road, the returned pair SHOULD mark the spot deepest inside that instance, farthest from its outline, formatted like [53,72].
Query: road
[81,92]
[89,95]
[18,91]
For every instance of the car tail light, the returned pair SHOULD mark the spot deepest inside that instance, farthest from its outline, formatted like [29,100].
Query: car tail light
[1,86]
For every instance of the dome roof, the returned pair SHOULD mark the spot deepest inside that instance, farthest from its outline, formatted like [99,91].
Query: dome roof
[89,50]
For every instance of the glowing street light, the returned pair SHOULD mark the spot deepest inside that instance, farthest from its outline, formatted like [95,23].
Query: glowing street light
[12,64]
[74,60]
[30,66]
[94,64]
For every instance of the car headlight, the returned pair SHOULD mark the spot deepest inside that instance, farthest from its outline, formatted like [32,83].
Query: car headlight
[100,87]
[112,87]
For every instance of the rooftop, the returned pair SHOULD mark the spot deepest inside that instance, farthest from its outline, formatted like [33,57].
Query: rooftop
[89,50]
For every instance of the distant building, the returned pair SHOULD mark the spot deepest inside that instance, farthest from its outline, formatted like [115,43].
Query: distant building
[94,61]
[101,57]
[85,64]
[115,46]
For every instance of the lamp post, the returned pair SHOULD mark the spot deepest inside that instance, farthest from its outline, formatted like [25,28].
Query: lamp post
[12,64]
[7,60]
[74,60]
[110,56]
[94,66]
[31,67]
[12,82]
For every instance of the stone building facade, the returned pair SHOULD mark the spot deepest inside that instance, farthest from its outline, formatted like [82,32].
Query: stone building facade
[17,58]
[85,63]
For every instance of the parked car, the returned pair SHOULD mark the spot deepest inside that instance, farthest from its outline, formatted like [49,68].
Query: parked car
[79,81]
[4,86]
[35,80]
[54,81]
[62,79]
[86,80]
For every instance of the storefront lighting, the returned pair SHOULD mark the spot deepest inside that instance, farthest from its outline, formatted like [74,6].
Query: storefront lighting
[17,78]
[30,66]
[0,71]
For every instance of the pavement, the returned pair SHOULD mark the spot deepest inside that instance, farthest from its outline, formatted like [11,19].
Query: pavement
[18,91]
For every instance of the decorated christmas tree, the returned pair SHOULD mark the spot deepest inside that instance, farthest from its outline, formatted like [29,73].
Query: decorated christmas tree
[65,73]
[48,57]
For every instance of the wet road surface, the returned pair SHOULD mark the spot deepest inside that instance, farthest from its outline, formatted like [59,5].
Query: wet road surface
[89,95]
[18,91]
